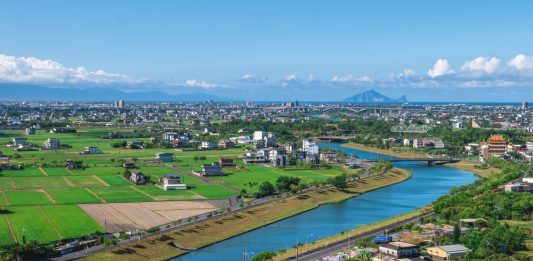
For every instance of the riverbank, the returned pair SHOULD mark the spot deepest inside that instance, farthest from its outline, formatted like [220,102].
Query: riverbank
[221,228]
[324,242]
[463,165]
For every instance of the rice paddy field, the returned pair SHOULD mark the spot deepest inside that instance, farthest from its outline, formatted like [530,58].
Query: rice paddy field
[42,201]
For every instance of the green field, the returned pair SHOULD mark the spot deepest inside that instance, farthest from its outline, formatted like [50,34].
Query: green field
[43,198]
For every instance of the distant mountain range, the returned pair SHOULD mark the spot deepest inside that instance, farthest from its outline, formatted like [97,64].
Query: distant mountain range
[373,96]
[36,92]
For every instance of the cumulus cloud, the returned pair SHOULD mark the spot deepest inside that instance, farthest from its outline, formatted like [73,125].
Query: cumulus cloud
[487,65]
[33,70]
[201,84]
[250,78]
[440,68]
[521,62]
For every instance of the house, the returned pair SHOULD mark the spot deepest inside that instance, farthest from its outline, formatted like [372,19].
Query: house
[164,157]
[398,249]
[214,169]
[136,144]
[407,142]
[449,252]
[208,145]
[92,150]
[52,144]
[71,164]
[168,136]
[226,144]
[255,157]
[280,161]
[226,162]
[128,165]
[62,130]
[19,141]
[171,181]
[519,187]
[138,177]
[328,156]
[30,131]
[4,160]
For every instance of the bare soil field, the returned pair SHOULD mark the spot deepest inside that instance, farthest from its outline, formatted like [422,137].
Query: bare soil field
[117,217]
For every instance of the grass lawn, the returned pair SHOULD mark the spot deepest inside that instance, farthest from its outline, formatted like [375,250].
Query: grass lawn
[84,181]
[214,191]
[73,196]
[40,182]
[120,194]
[71,220]
[36,225]
[26,197]
[160,194]
[5,235]
[115,180]
[98,171]
[33,172]
[57,172]
[6,183]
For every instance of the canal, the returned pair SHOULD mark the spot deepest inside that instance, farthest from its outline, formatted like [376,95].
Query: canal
[426,185]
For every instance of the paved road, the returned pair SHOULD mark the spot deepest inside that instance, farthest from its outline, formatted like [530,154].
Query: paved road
[333,248]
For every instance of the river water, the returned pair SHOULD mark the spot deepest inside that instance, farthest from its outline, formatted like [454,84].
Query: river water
[426,185]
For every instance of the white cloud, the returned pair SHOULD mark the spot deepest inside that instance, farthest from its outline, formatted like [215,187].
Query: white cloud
[440,68]
[408,73]
[521,62]
[351,79]
[33,70]
[289,78]
[250,78]
[487,65]
[201,84]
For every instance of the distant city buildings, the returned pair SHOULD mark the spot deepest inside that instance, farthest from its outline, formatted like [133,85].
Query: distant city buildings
[119,104]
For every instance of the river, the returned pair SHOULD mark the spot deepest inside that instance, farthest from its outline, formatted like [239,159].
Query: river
[426,185]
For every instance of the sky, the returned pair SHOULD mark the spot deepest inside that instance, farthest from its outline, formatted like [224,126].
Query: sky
[274,50]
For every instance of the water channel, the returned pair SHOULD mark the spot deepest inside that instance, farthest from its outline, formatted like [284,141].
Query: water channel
[426,185]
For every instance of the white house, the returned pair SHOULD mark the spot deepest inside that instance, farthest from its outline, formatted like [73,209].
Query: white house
[171,181]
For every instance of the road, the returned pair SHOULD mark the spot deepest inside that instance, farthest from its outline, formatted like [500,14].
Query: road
[333,248]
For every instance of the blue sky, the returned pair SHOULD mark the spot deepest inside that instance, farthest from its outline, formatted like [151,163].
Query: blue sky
[274,50]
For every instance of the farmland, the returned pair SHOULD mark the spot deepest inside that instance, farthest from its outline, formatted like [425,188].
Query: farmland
[45,201]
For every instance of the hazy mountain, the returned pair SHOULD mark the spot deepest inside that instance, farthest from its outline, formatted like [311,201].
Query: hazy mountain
[373,96]
[35,92]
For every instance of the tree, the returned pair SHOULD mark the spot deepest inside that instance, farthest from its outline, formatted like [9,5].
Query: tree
[265,256]
[265,189]
[456,234]
[284,183]
[339,181]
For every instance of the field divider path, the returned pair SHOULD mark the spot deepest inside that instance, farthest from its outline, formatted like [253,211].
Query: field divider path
[13,182]
[96,195]
[49,221]
[70,172]
[4,196]
[11,230]
[142,192]
[68,182]
[43,172]
[52,199]
[101,180]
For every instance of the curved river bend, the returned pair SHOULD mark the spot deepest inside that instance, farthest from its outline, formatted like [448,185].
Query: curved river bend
[426,185]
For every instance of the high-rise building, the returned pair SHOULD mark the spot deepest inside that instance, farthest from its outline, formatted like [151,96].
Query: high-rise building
[524,105]
[119,104]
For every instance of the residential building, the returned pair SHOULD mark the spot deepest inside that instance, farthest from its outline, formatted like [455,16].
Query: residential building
[280,161]
[92,150]
[458,125]
[213,169]
[62,130]
[4,160]
[128,165]
[171,181]
[136,144]
[226,162]
[208,145]
[30,131]
[398,249]
[407,142]
[19,141]
[226,144]
[258,135]
[449,252]
[519,187]
[164,157]
[428,143]
[310,146]
[169,136]
[52,144]
[138,177]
